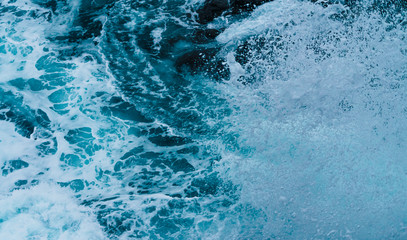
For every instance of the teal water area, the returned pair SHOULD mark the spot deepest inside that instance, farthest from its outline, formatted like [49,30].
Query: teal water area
[137,120]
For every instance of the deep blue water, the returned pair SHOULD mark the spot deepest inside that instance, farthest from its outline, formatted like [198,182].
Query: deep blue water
[124,119]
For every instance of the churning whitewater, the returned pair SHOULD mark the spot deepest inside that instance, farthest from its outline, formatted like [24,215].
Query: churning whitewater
[203,119]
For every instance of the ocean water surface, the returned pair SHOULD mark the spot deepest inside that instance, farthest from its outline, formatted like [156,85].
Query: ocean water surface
[153,119]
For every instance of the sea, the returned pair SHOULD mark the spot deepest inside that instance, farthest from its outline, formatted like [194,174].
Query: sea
[134,119]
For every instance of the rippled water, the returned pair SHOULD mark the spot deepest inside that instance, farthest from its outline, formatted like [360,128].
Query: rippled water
[295,128]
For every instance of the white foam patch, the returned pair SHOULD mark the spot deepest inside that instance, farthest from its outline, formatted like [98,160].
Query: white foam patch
[270,16]
[321,130]
[12,144]
[46,212]
[262,18]
[22,47]
[15,147]
[156,34]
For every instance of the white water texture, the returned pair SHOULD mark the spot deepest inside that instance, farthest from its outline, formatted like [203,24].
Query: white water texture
[323,124]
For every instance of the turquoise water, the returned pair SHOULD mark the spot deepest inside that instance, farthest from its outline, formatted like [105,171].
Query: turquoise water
[294,127]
